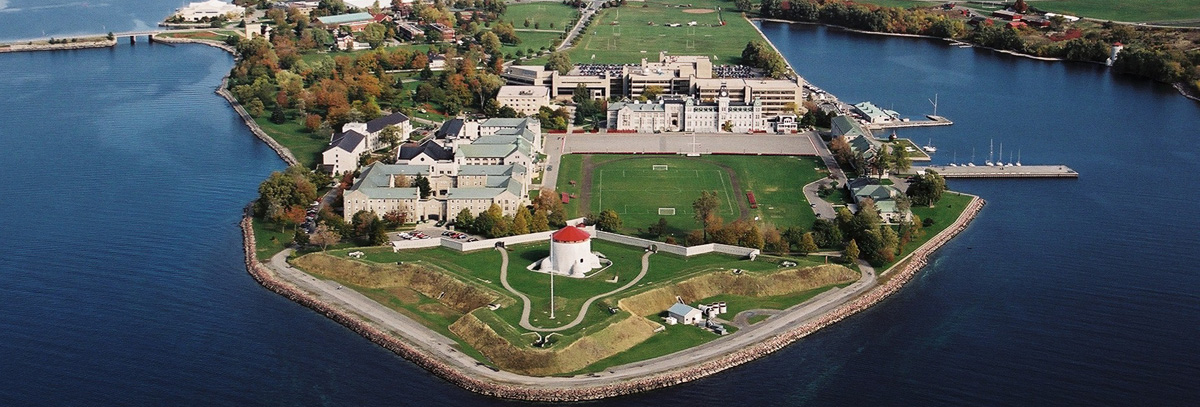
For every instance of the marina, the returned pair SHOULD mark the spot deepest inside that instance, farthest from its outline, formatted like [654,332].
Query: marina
[1005,171]
[932,122]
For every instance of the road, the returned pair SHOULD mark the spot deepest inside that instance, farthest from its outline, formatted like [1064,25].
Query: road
[438,345]
[679,143]
[822,208]
[584,16]
[582,310]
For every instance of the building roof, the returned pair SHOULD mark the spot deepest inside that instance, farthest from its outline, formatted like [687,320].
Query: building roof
[637,107]
[483,150]
[450,128]
[527,91]
[349,141]
[505,122]
[877,193]
[431,149]
[345,18]
[873,112]
[681,309]
[491,170]
[846,126]
[375,181]
[570,234]
[374,126]
[495,186]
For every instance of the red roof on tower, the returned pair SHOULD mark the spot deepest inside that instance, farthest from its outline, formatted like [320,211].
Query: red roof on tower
[570,234]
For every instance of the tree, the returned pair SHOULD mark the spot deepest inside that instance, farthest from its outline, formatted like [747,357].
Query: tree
[300,238]
[705,208]
[540,222]
[851,252]
[374,34]
[324,236]
[277,114]
[283,190]
[694,237]
[608,221]
[490,42]
[651,92]
[255,107]
[807,244]
[392,135]
[899,161]
[1020,6]
[465,221]
[773,241]
[368,229]
[559,61]
[927,189]
[395,218]
[826,233]
[752,237]
[743,5]
[521,221]
[657,229]
[422,184]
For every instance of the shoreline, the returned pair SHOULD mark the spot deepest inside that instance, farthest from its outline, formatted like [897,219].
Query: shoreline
[564,392]
[283,152]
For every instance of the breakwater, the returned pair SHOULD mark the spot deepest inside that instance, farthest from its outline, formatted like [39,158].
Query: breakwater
[57,47]
[563,392]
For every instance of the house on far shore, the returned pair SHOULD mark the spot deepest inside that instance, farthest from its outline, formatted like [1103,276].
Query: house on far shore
[354,21]
[685,314]
[210,10]
[885,197]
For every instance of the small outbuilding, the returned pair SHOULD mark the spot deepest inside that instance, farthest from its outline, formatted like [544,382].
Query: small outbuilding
[685,314]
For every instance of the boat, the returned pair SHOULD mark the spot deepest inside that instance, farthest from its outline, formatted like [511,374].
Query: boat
[929,147]
[1018,157]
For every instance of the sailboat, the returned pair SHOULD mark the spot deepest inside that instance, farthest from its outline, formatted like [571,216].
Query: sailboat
[1018,157]
[954,162]
[929,147]
[972,162]
[990,154]
[1000,162]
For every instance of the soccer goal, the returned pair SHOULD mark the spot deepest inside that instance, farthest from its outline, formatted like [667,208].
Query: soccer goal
[666,211]
[659,167]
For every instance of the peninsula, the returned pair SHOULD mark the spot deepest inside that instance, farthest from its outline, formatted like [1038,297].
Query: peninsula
[532,228]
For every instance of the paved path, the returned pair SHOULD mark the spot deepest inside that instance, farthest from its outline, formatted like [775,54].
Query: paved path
[582,310]
[584,15]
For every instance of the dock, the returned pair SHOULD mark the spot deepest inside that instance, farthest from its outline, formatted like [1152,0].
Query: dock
[932,122]
[1008,171]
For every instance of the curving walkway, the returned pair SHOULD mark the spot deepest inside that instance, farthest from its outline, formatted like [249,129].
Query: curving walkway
[582,310]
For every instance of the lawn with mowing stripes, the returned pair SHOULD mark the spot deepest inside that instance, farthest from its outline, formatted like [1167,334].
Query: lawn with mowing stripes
[629,185]
[641,29]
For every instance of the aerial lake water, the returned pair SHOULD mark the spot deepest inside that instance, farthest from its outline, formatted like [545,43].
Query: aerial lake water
[123,281]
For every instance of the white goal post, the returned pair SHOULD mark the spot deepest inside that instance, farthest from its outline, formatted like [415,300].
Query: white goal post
[659,167]
[666,211]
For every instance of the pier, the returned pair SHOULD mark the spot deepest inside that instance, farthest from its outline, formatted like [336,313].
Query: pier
[1007,171]
[933,121]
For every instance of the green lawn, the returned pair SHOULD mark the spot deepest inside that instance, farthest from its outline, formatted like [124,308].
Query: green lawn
[739,303]
[1124,10]
[633,38]
[545,13]
[483,267]
[630,186]
[534,40]
[268,239]
[307,147]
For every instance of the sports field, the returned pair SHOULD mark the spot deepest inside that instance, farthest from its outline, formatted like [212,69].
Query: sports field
[641,194]
[641,190]
[632,32]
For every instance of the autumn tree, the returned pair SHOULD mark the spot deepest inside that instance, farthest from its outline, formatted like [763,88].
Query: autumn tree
[324,236]
[658,228]
[368,229]
[395,217]
[608,221]
[851,252]
[705,208]
[541,222]
[521,221]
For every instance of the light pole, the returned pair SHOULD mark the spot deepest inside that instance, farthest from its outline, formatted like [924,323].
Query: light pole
[551,294]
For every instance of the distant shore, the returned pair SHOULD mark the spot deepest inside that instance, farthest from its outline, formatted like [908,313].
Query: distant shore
[43,46]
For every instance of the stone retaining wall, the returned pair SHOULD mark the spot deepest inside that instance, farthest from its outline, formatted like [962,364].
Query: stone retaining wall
[58,47]
[475,383]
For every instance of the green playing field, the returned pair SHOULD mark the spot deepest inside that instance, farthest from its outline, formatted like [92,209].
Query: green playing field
[643,190]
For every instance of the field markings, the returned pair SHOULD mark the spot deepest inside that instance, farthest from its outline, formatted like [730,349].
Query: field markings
[726,187]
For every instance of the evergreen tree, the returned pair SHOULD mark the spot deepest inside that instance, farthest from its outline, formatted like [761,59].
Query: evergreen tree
[807,244]
[851,251]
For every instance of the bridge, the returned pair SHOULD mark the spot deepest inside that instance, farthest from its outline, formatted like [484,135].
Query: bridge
[132,35]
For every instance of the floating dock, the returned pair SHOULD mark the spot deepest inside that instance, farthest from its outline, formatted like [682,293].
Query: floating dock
[1007,171]
[933,121]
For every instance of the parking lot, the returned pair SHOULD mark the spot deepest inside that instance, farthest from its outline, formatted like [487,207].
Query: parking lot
[431,232]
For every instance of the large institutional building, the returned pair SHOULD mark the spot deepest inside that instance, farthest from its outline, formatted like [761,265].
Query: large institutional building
[470,165]
[694,76]
[674,113]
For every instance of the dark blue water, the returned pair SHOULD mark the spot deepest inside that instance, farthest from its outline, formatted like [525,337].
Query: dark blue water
[121,280]
[25,19]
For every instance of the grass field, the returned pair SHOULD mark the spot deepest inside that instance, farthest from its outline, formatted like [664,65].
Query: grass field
[1124,10]
[631,186]
[632,37]
[544,13]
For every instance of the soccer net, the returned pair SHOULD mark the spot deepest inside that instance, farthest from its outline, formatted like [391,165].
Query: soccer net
[666,211]
[659,167]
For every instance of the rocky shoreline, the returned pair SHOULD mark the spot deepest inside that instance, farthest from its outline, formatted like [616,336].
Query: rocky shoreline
[907,269]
